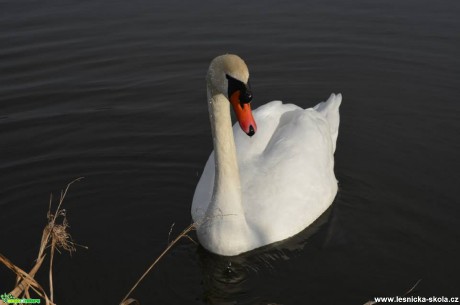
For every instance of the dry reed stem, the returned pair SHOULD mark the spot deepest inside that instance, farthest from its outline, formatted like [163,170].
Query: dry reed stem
[405,294]
[55,236]
[184,233]
[130,301]
[26,280]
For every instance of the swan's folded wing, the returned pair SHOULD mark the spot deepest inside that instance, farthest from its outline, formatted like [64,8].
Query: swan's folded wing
[292,181]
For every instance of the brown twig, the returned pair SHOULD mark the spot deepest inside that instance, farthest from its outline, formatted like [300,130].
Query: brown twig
[184,233]
[405,294]
[55,236]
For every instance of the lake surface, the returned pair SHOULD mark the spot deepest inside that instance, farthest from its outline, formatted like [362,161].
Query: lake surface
[114,91]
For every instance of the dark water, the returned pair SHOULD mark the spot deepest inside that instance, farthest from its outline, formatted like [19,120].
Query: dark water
[114,91]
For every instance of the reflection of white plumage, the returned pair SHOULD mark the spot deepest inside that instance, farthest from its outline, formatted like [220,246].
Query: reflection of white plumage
[261,189]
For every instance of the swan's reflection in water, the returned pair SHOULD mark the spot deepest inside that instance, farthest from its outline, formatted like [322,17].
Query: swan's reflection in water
[230,280]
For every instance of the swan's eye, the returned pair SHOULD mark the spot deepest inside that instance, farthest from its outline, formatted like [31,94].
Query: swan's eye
[246,97]
[244,89]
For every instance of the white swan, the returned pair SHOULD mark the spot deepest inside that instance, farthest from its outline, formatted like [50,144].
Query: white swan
[270,185]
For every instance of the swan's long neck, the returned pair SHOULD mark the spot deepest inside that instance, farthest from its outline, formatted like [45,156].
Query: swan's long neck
[226,198]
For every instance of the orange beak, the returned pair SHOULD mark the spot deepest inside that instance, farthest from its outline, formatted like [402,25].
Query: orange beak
[243,114]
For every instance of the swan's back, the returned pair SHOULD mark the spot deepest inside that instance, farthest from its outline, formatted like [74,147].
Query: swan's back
[286,168]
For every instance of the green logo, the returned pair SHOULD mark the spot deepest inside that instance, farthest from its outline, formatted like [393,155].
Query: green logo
[9,299]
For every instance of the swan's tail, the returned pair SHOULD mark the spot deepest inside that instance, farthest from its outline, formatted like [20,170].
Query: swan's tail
[330,110]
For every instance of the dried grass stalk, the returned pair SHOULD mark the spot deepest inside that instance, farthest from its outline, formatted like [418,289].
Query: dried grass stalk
[126,300]
[405,294]
[55,237]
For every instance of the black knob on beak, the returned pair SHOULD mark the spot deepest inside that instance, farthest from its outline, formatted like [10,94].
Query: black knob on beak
[251,131]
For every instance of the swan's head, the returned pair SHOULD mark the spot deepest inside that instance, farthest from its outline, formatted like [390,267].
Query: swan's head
[229,75]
